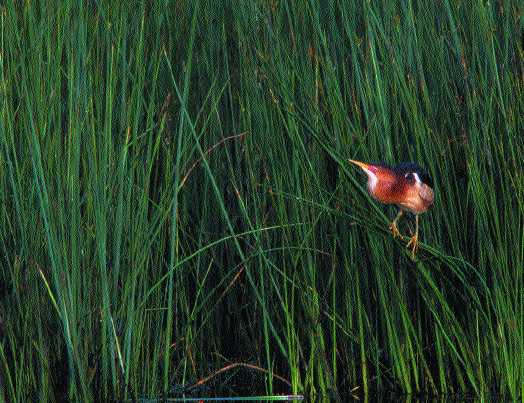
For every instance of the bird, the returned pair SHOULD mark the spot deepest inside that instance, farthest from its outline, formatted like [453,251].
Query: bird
[407,185]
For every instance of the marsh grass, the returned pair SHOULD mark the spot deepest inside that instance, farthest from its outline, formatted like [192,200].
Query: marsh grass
[176,196]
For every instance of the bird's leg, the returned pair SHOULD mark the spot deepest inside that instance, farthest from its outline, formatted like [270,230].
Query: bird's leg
[414,239]
[393,225]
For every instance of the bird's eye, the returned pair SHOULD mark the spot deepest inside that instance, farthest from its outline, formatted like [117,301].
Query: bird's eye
[409,177]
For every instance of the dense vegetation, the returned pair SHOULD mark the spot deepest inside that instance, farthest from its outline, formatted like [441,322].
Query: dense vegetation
[175,196]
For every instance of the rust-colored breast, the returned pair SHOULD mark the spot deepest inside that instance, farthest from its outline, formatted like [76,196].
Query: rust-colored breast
[407,191]
[386,189]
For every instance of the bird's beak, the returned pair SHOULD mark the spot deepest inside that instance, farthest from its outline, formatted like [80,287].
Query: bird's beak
[365,167]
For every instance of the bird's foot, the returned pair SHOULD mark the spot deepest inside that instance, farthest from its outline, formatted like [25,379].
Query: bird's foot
[413,240]
[393,227]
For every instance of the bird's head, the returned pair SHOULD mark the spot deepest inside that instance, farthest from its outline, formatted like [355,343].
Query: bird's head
[376,171]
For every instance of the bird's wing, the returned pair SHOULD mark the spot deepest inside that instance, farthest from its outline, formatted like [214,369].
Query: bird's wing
[426,194]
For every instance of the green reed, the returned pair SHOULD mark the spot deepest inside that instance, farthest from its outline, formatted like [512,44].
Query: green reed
[176,197]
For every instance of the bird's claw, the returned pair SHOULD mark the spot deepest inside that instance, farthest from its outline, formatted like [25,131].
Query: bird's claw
[393,227]
[413,240]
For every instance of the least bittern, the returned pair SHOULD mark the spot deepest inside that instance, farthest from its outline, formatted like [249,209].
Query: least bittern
[407,185]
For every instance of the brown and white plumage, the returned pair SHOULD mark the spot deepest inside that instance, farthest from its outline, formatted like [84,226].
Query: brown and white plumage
[407,185]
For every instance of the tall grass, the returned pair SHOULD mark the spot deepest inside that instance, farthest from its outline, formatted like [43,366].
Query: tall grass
[176,196]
